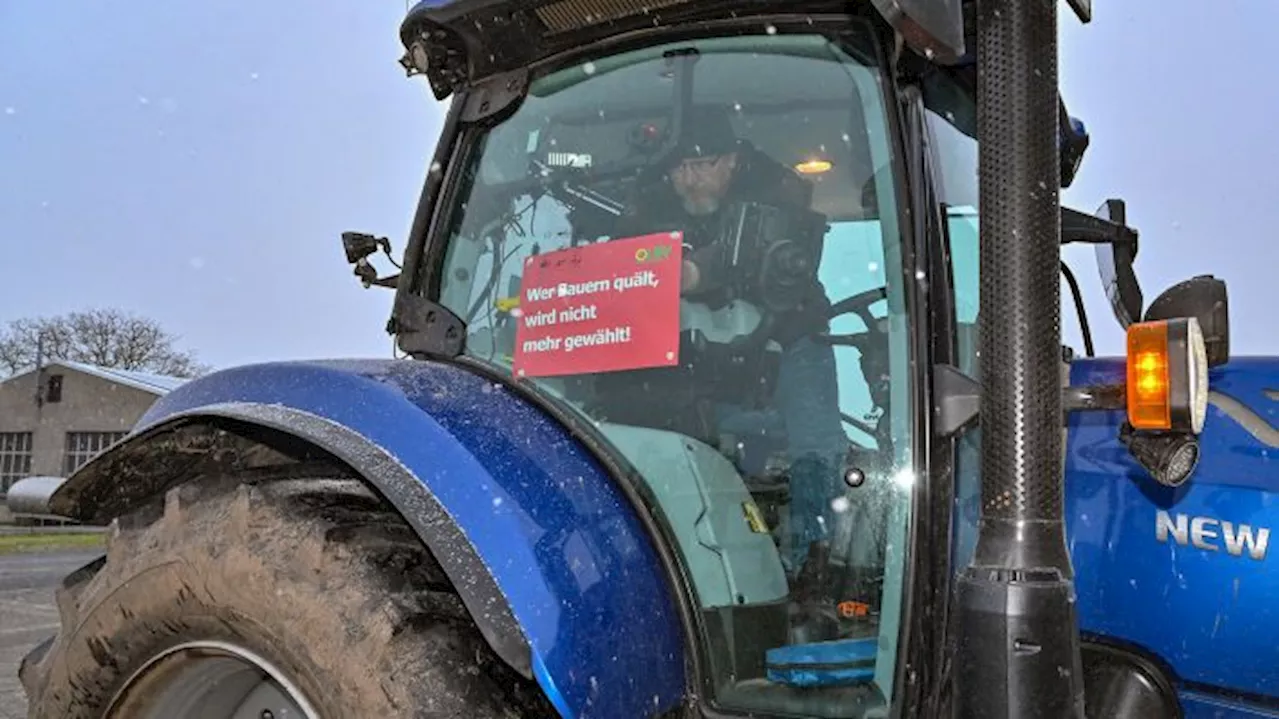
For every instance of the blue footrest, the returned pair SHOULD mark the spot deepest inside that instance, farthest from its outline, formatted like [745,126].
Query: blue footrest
[823,664]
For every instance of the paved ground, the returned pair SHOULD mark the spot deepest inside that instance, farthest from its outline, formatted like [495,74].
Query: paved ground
[28,614]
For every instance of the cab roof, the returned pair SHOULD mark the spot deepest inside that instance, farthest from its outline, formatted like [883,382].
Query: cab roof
[457,42]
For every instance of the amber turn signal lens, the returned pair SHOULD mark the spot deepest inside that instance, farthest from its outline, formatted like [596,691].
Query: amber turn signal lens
[1149,400]
[1167,377]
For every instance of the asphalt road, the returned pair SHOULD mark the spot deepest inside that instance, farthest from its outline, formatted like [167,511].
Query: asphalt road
[27,614]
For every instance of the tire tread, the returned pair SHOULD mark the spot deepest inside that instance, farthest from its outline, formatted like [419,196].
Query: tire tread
[392,601]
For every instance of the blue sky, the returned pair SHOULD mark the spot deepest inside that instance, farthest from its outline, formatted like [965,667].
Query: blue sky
[197,162]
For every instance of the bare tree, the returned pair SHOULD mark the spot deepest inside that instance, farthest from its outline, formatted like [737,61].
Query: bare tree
[103,337]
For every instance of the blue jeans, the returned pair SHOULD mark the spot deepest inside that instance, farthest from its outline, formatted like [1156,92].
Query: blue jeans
[806,411]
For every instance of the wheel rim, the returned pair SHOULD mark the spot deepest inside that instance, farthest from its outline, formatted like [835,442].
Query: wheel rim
[210,680]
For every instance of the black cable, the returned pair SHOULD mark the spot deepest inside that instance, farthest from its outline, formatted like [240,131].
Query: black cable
[1080,313]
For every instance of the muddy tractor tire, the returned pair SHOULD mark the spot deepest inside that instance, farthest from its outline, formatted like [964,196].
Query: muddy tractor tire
[276,596]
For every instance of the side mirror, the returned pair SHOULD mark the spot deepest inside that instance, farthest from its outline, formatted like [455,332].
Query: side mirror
[1115,267]
[358,246]
[1205,298]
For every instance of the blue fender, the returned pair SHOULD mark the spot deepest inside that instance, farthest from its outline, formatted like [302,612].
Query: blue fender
[539,539]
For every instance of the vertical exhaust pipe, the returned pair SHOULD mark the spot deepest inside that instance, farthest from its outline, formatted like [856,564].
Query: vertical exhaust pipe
[1018,652]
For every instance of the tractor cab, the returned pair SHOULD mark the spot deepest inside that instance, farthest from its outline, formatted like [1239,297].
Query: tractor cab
[737,252]
[696,241]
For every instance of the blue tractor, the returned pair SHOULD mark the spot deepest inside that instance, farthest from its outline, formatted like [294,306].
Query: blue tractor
[717,400]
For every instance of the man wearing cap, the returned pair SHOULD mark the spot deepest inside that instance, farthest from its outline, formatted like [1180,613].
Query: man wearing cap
[708,169]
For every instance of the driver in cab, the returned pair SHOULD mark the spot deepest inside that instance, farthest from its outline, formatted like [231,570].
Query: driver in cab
[708,169]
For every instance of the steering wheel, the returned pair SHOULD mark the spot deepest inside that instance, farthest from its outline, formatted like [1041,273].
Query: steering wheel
[860,305]
[870,344]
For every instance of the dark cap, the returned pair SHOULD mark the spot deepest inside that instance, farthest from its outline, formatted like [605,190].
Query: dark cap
[707,132]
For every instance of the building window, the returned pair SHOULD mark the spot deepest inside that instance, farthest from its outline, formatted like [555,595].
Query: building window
[15,458]
[54,389]
[84,446]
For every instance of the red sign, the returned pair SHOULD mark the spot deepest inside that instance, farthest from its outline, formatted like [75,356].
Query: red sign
[600,308]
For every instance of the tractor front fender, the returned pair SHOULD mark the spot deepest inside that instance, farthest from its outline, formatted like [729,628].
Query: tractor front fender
[539,540]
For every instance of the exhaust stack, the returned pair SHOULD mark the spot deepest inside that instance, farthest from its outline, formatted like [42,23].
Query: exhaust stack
[1018,652]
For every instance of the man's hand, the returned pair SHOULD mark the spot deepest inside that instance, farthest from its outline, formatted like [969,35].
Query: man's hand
[689,277]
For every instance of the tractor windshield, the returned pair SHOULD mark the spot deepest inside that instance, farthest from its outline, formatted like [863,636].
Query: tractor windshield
[696,245]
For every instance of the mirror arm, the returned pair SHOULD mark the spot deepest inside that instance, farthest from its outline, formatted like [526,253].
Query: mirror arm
[390,281]
[1090,229]
[956,399]
[1093,397]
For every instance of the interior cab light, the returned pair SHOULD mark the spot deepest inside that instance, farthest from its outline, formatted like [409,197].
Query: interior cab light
[813,167]
[1166,376]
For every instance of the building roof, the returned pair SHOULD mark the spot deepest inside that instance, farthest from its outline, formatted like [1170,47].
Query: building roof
[158,384]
